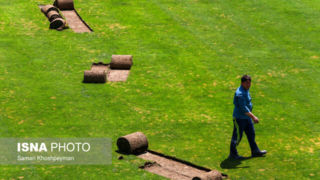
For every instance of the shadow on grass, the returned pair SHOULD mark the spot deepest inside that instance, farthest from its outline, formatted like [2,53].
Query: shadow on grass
[231,163]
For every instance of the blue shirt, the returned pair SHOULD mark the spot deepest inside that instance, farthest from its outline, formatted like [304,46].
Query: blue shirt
[242,103]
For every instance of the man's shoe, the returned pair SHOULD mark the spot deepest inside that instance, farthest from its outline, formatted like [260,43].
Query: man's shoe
[259,153]
[236,157]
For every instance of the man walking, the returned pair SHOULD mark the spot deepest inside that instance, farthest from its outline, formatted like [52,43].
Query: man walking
[242,120]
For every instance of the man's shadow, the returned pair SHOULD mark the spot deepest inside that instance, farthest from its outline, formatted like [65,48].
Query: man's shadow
[231,163]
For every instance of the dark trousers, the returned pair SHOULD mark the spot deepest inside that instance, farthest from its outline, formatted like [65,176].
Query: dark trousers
[240,125]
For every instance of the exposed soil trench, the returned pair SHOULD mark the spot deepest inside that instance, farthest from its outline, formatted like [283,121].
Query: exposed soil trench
[73,19]
[164,165]
[117,70]
[170,167]
[75,22]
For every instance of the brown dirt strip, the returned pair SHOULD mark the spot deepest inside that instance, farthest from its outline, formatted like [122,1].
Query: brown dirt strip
[169,168]
[75,22]
[116,75]
[156,168]
[73,19]
[164,165]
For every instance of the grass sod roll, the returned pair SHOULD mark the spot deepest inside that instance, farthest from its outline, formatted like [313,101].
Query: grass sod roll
[53,15]
[134,143]
[64,4]
[58,24]
[46,8]
[121,62]
[211,175]
[94,76]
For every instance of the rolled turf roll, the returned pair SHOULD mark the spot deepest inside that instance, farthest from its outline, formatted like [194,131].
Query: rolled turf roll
[211,175]
[64,4]
[94,76]
[134,143]
[57,23]
[53,15]
[45,9]
[121,62]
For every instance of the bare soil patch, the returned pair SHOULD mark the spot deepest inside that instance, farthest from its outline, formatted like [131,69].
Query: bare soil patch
[164,165]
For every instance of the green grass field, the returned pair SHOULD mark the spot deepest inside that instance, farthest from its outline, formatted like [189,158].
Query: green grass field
[188,58]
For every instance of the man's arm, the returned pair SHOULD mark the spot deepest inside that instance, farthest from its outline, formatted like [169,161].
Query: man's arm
[245,110]
[253,117]
[242,104]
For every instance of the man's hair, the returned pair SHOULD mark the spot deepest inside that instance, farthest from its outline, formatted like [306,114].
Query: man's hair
[245,78]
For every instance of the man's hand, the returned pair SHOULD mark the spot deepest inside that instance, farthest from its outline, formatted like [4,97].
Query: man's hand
[253,117]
